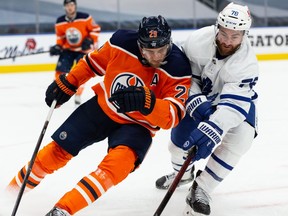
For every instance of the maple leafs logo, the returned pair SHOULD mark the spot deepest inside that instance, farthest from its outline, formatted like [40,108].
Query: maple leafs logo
[207,89]
[206,86]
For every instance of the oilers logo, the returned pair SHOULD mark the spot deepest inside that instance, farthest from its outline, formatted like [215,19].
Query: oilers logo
[73,36]
[124,80]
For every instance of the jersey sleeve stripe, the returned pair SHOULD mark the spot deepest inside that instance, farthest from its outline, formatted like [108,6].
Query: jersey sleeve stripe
[235,107]
[87,59]
[180,109]
[196,77]
[235,97]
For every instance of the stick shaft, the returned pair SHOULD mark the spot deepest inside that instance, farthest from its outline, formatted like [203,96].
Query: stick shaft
[21,191]
[173,186]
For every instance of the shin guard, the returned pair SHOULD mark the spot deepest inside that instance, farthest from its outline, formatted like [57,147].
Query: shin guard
[50,158]
[115,167]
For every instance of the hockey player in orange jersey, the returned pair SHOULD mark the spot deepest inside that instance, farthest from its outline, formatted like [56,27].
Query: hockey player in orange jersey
[76,34]
[145,86]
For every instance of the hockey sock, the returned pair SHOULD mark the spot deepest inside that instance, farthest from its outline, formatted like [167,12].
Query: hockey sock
[80,90]
[48,159]
[115,167]
[57,74]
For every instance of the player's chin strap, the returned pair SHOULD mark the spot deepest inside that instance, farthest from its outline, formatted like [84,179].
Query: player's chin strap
[174,184]
[29,169]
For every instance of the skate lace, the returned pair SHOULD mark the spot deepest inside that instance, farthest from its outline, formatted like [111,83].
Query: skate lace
[171,176]
[202,196]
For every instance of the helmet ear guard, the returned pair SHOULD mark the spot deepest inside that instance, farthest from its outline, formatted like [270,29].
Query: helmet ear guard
[154,32]
[235,17]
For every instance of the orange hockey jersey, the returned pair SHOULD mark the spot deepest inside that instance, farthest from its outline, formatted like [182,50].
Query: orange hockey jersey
[119,61]
[70,34]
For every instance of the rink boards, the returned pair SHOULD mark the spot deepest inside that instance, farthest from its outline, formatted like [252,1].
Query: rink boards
[23,53]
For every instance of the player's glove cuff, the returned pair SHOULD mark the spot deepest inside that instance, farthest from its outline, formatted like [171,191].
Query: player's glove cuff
[134,98]
[65,86]
[198,107]
[149,101]
[60,90]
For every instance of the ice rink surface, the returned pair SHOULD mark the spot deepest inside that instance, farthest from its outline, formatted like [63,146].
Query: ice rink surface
[258,186]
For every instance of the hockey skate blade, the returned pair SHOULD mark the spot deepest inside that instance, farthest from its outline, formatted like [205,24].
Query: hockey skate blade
[188,211]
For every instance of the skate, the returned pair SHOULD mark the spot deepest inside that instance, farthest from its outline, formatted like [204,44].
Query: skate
[77,100]
[165,181]
[197,201]
[57,212]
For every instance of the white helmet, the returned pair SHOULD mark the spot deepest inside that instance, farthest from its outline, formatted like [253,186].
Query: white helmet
[235,17]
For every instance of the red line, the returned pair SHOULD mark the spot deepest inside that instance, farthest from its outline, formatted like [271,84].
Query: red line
[266,205]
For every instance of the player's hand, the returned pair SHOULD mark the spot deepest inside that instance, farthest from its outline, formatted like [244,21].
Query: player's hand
[133,98]
[205,137]
[61,90]
[198,107]
[55,50]
[87,44]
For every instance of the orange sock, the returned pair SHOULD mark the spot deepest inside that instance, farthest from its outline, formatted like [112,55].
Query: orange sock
[57,73]
[50,158]
[80,90]
[114,168]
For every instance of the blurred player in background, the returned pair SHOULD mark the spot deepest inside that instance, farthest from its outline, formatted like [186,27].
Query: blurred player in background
[145,86]
[77,34]
[221,105]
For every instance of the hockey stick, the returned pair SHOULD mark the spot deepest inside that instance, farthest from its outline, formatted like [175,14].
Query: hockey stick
[20,194]
[173,186]
[17,56]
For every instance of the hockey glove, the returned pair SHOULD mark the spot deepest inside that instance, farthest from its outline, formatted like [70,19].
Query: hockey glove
[55,50]
[86,44]
[198,107]
[133,98]
[61,90]
[205,137]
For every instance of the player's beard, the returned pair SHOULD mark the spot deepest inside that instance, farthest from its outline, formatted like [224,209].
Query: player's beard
[156,64]
[225,50]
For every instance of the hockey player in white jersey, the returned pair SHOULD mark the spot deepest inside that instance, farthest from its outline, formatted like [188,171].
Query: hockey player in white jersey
[221,108]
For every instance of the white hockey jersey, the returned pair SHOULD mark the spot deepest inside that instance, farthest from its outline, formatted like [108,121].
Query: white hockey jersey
[228,83]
